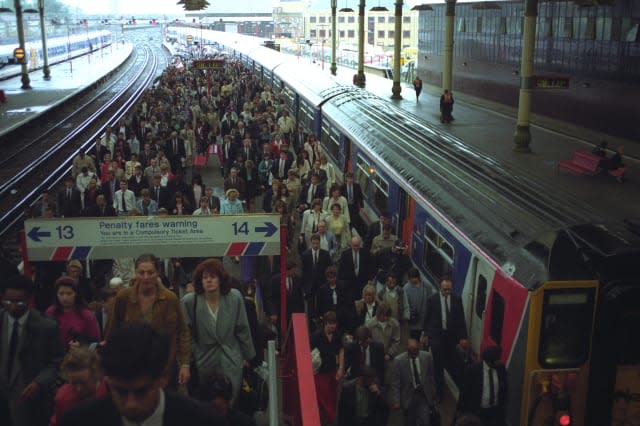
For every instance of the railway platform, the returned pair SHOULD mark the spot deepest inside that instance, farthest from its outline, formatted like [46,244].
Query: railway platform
[488,127]
[68,79]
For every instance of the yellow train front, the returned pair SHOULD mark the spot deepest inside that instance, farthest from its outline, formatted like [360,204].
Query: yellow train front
[581,352]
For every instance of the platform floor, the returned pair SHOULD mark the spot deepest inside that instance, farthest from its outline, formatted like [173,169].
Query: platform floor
[67,79]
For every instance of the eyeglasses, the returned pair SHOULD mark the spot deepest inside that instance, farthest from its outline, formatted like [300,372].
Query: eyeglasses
[18,303]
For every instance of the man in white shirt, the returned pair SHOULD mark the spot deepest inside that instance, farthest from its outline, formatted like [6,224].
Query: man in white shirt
[124,200]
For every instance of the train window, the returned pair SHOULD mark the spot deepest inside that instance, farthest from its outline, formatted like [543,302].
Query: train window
[481,295]
[497,317]
[603,28]
[565,327]
[438,254]
[362,175]
[380,193]
[462,27]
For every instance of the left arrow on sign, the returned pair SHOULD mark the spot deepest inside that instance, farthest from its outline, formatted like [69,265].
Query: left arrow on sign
[35,234]
[269,229]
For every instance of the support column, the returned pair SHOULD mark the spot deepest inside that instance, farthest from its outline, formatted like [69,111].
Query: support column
[334,67]
[43,34]
[26,82]
[397,46]
[447,66]
[361,77]
[522,135]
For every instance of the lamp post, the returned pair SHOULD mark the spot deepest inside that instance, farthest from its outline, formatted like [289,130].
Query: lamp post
[447,72]
[360,82]
[43,34]
[26,82]
[334,6]
[397,44]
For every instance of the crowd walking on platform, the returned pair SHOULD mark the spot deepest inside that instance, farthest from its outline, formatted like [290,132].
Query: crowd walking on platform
[143,338]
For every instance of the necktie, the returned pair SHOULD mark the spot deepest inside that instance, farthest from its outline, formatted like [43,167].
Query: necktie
[315,258]
[13,347]
[492,396]
[349,191]
[145,209]
[448,311]
[334,296]
[289,284]
[355,262]
[363,357]
[281,171]
[69,195]
[157,194]
[124,203]
[416,376]
[175,146]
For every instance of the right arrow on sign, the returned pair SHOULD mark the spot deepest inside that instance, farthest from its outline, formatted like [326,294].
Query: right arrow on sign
[269,229]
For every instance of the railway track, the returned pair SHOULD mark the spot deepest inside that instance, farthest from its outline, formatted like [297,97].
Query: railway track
[35,160]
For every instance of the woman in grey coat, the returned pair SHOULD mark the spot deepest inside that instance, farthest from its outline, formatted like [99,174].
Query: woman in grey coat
[220,334]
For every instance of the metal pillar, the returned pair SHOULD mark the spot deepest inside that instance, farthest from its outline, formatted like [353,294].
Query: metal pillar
[26,82]
[43,34]
[397,45]
[522,135]
[334,6]
[361,78]
[447,72]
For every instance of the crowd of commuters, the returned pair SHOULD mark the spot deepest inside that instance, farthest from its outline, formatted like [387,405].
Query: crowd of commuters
[193,329]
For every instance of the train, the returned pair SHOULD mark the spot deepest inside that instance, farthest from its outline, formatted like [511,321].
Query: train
[539,274]
[58,48]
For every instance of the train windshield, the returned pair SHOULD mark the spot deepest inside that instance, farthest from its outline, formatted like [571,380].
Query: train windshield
[565,329]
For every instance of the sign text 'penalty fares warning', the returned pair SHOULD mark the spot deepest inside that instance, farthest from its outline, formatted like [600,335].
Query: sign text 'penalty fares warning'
[173,236]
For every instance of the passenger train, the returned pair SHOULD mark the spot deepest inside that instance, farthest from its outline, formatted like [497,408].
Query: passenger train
[539,274]
[59,48]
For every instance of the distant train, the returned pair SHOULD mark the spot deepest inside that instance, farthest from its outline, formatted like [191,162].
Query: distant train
[539,275]
[58,48]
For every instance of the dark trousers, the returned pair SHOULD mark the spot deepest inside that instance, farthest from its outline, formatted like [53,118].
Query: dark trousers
[493,416]
[418,413]
[443,348]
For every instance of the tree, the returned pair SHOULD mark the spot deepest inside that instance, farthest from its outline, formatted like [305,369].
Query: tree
[194,4]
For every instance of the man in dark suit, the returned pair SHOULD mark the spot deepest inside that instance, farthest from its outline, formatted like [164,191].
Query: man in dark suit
[30,352]
[281,166]
[445,328]
[320,173]
[294,289]
[175,151]
[315,262]
[485,389]
[133,361]
[138,182]
[355,202]
[355,267]
[69,200]
[332,296]
[236,182]
[213,201]
[364,352]
[159,193]
[310,192]
[227,155]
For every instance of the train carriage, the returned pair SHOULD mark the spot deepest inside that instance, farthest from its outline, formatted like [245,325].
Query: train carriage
[539,275]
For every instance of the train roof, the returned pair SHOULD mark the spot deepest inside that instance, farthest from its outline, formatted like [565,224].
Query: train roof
[316,87]
[501,211]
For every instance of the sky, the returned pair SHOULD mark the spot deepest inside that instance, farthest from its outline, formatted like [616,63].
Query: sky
[169,7]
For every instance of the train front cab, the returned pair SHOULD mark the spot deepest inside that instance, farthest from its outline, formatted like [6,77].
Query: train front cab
[583,354]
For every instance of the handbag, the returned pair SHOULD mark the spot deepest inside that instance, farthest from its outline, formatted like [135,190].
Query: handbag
[199,160]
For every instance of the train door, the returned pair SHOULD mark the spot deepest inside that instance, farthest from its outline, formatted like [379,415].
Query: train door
[476,301]
[614,379]
[347,147]
[406,206]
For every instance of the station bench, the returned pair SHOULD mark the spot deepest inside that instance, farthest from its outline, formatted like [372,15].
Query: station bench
[581,162]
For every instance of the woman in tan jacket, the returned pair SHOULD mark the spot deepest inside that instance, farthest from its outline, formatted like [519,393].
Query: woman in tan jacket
[147,300]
